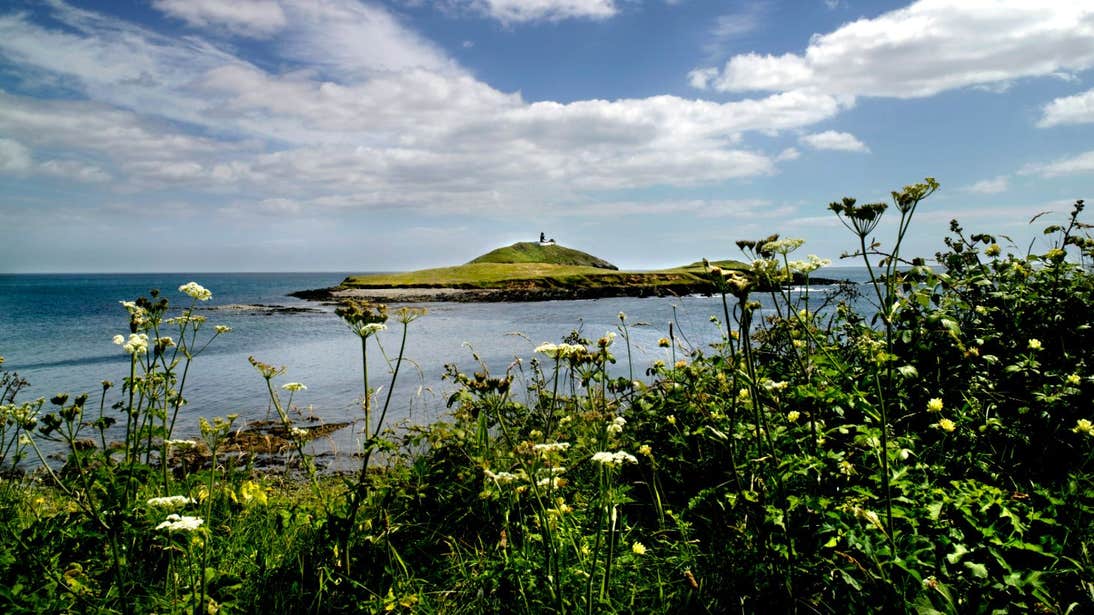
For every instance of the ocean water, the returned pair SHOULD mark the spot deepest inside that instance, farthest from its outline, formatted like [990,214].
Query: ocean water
[56,331]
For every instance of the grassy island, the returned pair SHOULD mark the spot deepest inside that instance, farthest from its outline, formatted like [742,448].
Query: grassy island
[526,271]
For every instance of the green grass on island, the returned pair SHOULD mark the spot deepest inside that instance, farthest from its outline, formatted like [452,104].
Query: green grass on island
[532,266]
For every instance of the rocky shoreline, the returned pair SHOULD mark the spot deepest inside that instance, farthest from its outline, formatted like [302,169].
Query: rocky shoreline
[423,294]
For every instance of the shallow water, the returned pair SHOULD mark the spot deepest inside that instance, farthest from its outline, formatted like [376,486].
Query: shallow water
[56,330]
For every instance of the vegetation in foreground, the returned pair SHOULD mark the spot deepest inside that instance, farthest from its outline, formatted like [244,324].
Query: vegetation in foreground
[935,456]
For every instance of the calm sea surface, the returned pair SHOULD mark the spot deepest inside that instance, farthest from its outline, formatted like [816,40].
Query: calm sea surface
[56,330]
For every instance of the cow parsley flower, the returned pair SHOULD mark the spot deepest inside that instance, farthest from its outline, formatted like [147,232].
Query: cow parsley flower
[180,523]
[170,502]
[136,344]
[612,460]
[196,291]
[294,387]
[551,447]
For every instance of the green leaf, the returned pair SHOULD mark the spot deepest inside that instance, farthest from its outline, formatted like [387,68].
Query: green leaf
[978,570]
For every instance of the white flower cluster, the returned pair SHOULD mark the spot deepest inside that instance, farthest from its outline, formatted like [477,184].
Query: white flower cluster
[550,447]
[503,478]
[612,460]
[615,427]
[136,344]
[196,291]
[783,246]
[298,433]
[172,501]
[294,386]
[559,351]
[369,329]
[180,523]
[810,265]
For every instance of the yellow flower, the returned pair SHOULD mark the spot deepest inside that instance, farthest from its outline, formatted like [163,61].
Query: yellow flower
[638,548]
[645,450]
[663,342]
[947,425]
[793,416]
[993,250]
[671,419]
[1084,426]
[1074,380]
[1034,344]
[934,404]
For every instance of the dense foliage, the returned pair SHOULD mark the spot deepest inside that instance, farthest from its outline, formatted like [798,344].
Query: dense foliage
[932,452]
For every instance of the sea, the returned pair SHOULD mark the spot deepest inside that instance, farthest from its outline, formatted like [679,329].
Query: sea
[56,331]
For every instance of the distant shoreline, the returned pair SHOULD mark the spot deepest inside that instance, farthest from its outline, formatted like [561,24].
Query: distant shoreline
[429,294]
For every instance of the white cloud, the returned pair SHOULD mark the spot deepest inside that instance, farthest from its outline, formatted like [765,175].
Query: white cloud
[994,185]
[1077,109]
[833,140]
[790,153]
[167,113]
[923,49]
[14,156]
[1075,165]
[74,170]
[254,18]
[516,11]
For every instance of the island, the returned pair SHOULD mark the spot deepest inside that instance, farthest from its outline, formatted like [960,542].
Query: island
[525,271]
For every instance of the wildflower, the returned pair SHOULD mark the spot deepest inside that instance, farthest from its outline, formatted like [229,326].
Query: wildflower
[407,315]
[180,523]
[783,246]
[252,493]
[501,478]
[846,468]
[549,447]
[981,310]
[171,501]
[616,426]
[552,482]
[947,425]
[372,328]
[1034,344]
[268,371]
[1074,380]
[638,548]
[196,291]
[299,433]
[622,317]
[222,329]
[136,344]
[681,364]
[663,342]
[294,387]
[772,386]
[934,404]
[671,419]
[993,250]
[793,416]
[645,450]
[614,459]
[1084,426]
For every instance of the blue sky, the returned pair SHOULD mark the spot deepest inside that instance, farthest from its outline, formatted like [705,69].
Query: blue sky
[296,135]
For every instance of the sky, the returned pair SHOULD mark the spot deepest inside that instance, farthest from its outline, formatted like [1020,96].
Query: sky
[361,135]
